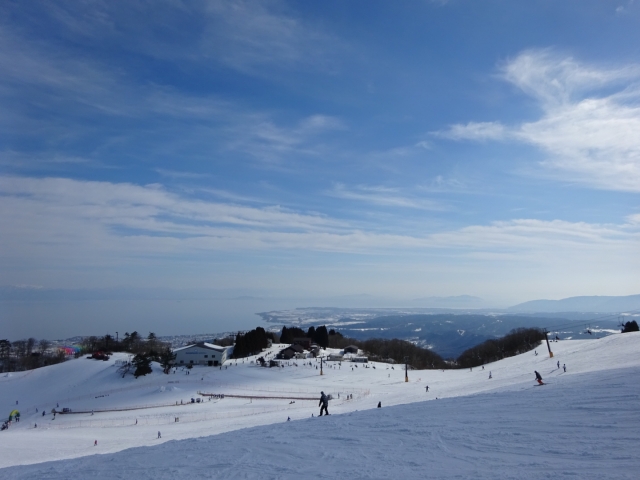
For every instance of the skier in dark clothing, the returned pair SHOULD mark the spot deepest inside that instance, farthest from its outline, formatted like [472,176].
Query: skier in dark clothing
[324,403]
[538,378]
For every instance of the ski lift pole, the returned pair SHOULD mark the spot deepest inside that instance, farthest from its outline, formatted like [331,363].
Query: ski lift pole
[546,337]
[321,366]
[406,369]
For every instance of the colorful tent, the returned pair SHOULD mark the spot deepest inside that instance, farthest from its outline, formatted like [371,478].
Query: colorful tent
[71,350]
[13,415]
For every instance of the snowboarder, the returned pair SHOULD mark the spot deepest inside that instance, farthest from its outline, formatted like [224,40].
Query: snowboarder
[564,367]
[379,404]
[538,378]
[288,419]
[43,413]
[324,403]
[159,436]
[95,443]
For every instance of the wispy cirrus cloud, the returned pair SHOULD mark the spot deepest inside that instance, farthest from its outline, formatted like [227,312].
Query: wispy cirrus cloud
[383,196]
[475,131]
[250,35]
[48,90]
[181,175]
[260,136]
[589,122]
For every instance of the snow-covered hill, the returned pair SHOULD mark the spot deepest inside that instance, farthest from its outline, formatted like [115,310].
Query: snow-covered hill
[584,423]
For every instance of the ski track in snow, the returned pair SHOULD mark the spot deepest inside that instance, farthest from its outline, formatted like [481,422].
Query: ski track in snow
[584,424]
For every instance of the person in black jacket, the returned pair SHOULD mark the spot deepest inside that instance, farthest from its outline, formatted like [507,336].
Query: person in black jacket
[538,377]
[324,403]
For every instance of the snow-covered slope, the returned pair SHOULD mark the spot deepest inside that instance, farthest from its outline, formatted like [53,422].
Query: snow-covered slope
[583,424]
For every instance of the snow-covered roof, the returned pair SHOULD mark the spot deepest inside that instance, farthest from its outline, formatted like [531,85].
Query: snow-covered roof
[209,346]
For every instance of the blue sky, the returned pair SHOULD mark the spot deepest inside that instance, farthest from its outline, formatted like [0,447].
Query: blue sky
[396,149]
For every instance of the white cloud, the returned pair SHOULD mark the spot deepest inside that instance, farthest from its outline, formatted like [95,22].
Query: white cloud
[72,223]
[589,123]
[634,219]
[250,35]
[261,137]
[474,131]
[383,196]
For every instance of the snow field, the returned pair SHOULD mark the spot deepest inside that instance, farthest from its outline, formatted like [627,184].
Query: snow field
[80,381]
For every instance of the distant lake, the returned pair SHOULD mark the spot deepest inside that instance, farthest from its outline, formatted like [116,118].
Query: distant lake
[64,318]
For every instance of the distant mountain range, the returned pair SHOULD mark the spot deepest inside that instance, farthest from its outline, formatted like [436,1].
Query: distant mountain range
[593,304]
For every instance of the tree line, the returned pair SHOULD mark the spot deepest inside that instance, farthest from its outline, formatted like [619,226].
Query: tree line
[131,342]
[383,350]
[252,342]
[28,354]
[517,341]
[318,335]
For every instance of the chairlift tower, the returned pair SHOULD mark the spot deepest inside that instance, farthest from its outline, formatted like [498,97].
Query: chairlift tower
[406,369]
[546,337]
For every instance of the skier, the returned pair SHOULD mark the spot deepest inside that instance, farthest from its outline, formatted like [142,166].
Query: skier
[490,376]
[558,364]
[324,403]
[159,436]
[538,378]
[95,443]
[427,388]
[564,366]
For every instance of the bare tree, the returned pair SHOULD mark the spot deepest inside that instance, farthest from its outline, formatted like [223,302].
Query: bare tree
[43,346]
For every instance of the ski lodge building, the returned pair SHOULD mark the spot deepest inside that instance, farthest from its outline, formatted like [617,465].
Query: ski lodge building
[201,354]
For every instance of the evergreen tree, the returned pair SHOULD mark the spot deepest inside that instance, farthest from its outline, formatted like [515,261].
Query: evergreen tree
[142,362]
[322,336]
[285,336]
[166,359]
[240,348]
[311,333]
[631,326]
